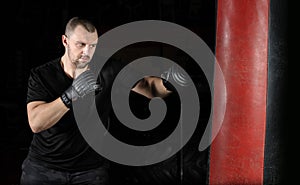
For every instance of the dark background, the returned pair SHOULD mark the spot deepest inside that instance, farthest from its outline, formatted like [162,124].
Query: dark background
[31,35]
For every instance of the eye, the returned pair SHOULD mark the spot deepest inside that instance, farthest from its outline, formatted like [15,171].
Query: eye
[80,45]
[93,45]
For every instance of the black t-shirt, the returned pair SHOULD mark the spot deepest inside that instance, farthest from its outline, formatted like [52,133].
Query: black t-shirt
[61,146]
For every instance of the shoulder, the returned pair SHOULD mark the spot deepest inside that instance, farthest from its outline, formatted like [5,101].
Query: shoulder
[46,67]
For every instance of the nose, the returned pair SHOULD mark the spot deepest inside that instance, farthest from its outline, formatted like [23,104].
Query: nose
[86,50]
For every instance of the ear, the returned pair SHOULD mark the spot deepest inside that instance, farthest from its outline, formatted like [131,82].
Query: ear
[64,40]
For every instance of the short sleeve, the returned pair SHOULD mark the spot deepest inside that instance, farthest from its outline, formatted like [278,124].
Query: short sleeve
[36,90]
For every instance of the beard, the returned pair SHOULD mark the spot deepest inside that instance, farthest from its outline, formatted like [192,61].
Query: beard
[79,61]
[80,64]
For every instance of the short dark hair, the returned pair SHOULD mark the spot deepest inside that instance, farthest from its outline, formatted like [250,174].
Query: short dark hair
[76,21]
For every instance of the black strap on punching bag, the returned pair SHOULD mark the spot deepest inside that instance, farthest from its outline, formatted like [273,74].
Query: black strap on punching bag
[277,123]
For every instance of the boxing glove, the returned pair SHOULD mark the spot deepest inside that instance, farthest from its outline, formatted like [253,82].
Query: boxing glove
[84,84]
[176,74]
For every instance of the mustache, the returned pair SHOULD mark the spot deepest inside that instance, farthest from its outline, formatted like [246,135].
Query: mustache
[85,56]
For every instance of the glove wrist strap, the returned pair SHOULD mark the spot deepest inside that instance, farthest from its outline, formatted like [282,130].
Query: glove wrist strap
[66,100]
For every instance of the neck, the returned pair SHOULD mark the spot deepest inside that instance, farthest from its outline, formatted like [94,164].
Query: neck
[68,66]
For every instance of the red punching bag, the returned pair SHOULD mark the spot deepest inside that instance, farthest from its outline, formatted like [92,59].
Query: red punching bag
[237,152]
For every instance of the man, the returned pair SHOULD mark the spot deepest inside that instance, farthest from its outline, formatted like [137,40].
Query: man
[58,153]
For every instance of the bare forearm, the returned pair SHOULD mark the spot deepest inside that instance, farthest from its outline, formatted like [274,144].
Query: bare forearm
[42,116]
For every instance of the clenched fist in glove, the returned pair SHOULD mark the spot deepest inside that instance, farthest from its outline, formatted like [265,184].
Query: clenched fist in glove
[84,84]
